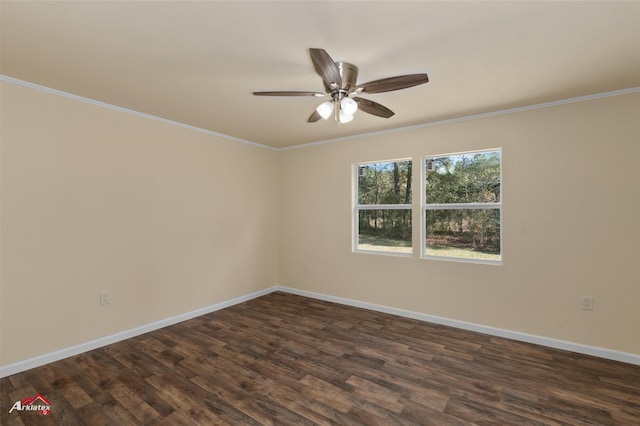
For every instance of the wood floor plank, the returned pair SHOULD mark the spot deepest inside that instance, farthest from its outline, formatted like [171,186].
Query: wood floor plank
[291,360]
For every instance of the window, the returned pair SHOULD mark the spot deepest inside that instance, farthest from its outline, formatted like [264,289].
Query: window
[462,207]
[382,213]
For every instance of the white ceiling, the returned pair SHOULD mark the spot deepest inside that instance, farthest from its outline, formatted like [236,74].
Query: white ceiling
[199,62]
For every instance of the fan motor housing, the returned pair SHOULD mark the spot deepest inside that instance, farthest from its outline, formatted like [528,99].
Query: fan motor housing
[349,74]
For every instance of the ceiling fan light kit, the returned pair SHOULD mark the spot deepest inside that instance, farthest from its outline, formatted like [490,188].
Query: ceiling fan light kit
[345,108]
[340,83]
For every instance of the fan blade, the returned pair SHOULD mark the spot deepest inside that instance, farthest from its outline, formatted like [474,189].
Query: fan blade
[325,67]
[285,93]
[374,108]
[314,117]
[392,83]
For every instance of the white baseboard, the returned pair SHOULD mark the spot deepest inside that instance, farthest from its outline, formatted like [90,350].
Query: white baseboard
[499,332]
[38,361]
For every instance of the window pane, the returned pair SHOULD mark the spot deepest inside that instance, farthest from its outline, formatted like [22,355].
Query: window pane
[384,183]
[464,233]
[463,178]
[385,230]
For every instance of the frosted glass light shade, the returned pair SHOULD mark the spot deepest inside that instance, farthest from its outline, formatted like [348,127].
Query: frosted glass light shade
[348,105]
[345,118]
[325,109]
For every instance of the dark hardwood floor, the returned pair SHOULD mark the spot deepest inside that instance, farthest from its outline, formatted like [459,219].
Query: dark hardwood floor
[285,359]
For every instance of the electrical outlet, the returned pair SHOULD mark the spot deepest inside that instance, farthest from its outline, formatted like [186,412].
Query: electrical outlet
[586,303]
[305,266]
[237,272]
[105,297]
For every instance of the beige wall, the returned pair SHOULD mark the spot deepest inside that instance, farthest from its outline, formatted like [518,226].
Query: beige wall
[571,225]
[94,199]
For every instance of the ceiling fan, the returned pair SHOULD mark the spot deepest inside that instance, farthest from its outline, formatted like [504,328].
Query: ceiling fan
[340,84]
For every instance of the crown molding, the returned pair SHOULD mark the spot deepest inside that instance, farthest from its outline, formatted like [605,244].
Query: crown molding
[515,110]
[472,117]
[128,111]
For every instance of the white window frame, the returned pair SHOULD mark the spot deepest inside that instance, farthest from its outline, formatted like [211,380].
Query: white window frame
[357,208]
[456,206]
